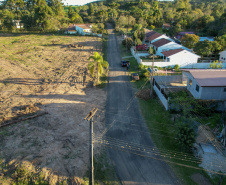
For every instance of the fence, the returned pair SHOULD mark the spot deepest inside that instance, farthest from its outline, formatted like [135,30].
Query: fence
[162,96]
[166,64]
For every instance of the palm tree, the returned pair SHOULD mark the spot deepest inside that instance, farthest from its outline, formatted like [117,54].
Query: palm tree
[98,66]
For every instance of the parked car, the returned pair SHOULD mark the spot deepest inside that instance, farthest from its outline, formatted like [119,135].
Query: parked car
[135,76]
[124,63]
[154,70]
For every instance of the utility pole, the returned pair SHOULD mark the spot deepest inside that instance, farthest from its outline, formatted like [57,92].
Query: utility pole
[89,117]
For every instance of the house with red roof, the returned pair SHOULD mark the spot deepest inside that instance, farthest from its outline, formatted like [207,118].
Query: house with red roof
[180,57]
[165,45]
[153,36]
[206,84]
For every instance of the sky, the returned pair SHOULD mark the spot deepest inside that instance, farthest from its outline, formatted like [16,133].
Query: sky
[77,2]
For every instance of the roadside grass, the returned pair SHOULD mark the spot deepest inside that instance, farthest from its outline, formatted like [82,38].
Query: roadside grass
[163,131]
[104,171]
[104,77]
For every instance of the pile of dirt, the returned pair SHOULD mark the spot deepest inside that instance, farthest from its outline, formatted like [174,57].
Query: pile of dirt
[144,94]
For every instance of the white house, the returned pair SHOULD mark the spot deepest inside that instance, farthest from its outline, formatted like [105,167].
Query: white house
[180,57]
[82,29]
[222,56]
[206,84]
[166,45]
[18,24]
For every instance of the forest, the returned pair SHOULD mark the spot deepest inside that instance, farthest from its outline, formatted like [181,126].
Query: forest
[205,17]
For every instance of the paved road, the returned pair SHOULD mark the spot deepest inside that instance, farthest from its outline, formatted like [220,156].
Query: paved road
[131,168]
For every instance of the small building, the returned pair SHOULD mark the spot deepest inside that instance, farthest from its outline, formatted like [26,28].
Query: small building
[181,34]
[206,84]
[70,30]
[82,29]
[222,57]
[166,26]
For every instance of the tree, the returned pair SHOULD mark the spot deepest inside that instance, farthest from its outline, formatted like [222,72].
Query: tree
[98,66]
[128,42]
[189,40]
[185,137]
[152,52]
[203,48]
[216,65]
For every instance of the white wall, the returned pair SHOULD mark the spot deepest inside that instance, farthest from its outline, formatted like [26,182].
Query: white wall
[192,88]
[222,56]
[162,98]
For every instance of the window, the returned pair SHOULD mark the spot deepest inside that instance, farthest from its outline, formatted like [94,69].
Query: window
[221,57]
[224,89]
[190,82]
[197,88]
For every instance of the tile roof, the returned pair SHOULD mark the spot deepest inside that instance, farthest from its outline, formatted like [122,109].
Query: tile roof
[83,26]
[154,36]
[171,52]
[209,77]
[148,34]
[166,25]
[160,42]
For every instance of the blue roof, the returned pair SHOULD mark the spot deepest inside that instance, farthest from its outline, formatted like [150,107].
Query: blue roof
[206,38]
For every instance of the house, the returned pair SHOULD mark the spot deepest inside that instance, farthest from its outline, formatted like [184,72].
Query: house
[222,56]
[18,24]
[70,30]
[180,57]
[165,45]
[153,36]
[206,84]
[206,38]
[181,34]
[82,29]
[166,26]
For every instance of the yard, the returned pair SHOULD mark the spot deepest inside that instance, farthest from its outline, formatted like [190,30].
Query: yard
[42,76]
[163,130]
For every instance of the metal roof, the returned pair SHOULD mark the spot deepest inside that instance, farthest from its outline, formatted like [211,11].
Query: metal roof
[209,77]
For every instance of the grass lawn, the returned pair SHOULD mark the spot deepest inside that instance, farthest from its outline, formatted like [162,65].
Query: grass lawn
[163,131]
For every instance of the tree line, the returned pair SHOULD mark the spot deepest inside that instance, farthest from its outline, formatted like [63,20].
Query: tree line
[204,16]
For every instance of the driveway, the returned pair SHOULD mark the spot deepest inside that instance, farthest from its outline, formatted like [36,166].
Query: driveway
[127,130]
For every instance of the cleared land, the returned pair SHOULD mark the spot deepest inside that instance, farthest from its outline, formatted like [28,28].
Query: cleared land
[41,73]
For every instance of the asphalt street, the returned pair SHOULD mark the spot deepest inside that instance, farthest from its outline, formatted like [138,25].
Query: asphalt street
[127,128]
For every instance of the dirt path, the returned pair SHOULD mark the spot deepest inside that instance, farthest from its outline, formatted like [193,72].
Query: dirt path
[129,127]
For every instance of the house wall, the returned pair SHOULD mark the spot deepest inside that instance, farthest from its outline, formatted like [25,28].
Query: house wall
[222,56]
[213,93]
[79,30]
[192,88]
[162,98]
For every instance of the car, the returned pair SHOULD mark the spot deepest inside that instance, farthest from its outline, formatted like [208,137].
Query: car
[135,76]
[154,70]
[124,63]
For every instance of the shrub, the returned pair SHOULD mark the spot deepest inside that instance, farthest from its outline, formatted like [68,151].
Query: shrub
[169,67]
[176,67]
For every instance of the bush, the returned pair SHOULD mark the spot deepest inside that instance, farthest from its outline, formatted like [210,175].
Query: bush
[169,67]
[141,66]
[176,67]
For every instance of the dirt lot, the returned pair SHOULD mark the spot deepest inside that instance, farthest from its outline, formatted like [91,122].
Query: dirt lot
[40,73]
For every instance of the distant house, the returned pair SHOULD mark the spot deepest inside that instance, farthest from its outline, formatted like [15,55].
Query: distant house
[180,57]
[71,29]
[181,34]
[18,24]
[206,84]
[153,36]
[166,26]
[222,56]
[81,29]
[165,45]
[206,38]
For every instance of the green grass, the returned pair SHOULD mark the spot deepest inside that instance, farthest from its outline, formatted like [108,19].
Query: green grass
[104,171]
